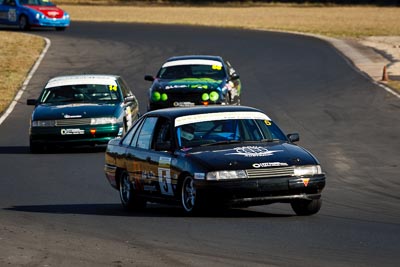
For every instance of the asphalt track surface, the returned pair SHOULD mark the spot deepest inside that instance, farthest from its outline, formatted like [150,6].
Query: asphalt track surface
[57,209]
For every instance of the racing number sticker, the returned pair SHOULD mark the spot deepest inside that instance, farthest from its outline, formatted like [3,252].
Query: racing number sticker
[216,67]
[12,15]
[112,87]
[267,122]
[164,178]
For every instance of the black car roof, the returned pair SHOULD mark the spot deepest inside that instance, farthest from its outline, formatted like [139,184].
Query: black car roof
[209,57]
[183,111]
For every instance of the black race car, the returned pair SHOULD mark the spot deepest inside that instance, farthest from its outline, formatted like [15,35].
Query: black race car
[194,80]
[216,156]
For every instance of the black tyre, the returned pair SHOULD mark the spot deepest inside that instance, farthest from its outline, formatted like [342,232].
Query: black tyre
[129,200]
[238,101]
[306,207]
[228,99]
[35,148]
[60,29]
[188,195]
[23,23]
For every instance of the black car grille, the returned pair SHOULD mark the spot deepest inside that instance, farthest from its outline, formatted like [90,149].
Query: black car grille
[270,172]
[73,122]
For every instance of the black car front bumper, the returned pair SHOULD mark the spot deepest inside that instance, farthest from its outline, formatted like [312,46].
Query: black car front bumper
[250,192]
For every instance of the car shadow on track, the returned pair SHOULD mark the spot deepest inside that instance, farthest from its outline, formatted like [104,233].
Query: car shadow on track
[55,150]
[12,28]
[14,150]
[153,210]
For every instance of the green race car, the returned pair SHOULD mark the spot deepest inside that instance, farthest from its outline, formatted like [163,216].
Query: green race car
[81,110]
[185,81]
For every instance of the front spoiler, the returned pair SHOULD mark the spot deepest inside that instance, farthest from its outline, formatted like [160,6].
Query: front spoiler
[251,192]
[244,202]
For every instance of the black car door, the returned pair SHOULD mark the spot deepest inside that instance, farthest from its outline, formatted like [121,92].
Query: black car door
[139,159]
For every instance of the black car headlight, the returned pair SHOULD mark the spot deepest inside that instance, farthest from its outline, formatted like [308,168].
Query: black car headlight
[226,175]
[307,170]
[45,123]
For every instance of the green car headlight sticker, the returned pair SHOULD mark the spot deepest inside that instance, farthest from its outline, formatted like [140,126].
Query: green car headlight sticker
[156,96]
[164,97]
[214,96]
[205,97]
[112,87]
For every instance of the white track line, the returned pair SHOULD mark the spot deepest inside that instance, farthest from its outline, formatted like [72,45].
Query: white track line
[26,82]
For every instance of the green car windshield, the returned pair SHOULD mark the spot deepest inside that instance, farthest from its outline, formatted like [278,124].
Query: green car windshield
[207,133]
[192,71]
[89,93]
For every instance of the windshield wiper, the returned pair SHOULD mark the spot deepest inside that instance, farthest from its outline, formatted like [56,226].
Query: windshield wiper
[222,142]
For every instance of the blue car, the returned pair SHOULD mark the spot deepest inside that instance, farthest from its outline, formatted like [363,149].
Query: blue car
[33,13]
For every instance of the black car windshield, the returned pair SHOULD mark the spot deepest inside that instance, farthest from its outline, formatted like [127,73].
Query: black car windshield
[36,2]
[90,93]
[215,72]
[208,133]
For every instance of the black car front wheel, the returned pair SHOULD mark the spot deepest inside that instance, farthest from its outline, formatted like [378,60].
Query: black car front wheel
[306,207]
[188,195]
[129,200]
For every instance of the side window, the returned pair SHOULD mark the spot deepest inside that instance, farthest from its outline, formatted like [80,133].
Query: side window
[129,136]
[163,132]
[146,133]
[124,88]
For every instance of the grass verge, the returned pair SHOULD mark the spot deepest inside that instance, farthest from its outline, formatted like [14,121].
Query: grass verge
[394,84]
[18,54]
[336,21]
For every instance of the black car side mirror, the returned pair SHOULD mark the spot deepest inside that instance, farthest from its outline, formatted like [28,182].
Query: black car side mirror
[31,102]
[149,78]
[293,137]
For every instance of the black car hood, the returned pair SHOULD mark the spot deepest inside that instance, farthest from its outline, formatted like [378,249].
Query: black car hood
[194,84]
[248,156]
[77,110]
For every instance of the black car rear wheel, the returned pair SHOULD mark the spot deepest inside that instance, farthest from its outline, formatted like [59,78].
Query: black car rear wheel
[129,200]
[188,195]
[306,207]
